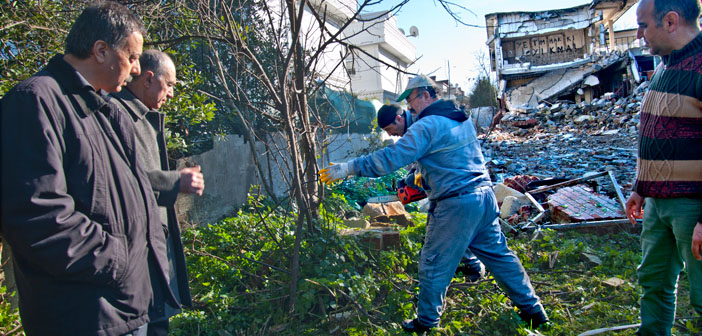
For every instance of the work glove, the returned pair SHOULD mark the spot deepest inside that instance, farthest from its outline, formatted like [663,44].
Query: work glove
[335,171]
[418,179]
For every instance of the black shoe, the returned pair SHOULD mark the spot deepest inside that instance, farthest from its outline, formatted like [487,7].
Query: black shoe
[414,326]
[534,320]
[472,274]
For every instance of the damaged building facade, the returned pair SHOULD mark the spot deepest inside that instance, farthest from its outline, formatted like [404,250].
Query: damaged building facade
[570,53]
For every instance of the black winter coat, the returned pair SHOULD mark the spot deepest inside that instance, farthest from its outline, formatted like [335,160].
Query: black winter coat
[77,209]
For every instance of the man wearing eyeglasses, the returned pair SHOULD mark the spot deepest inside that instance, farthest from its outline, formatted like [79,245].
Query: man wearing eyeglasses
[463,212]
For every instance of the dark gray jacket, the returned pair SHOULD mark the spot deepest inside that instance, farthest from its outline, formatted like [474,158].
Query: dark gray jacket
[151,149]
[77,209]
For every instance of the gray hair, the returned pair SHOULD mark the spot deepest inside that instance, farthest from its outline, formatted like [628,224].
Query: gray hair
[155,61]
[106,21]
[689,10]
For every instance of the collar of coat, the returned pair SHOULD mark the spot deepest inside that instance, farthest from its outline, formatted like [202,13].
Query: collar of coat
[137,109]
[85,96]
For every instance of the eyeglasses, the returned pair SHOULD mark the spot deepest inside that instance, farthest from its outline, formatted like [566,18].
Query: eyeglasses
[409,100]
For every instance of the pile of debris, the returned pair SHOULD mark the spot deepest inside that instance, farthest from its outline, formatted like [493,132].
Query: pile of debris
[606,115]
[561,142]
[568,140]
[591,201]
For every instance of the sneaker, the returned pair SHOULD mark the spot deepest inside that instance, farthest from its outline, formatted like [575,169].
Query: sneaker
[413,326]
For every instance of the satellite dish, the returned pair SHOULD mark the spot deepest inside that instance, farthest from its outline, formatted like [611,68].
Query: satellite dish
[402,31]
[414,32]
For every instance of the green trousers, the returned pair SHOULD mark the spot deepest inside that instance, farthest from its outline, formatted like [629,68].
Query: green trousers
[666,244]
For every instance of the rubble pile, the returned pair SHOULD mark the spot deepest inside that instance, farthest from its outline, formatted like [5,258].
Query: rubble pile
[565,141]
[568,140]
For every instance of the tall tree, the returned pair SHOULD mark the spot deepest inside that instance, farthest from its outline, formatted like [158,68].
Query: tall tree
[483,93]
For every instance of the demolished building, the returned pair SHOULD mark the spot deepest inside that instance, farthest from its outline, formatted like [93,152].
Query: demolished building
[570,53]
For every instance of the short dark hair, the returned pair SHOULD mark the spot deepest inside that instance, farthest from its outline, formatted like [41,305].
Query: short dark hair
[106,21]
[689,10]
[387,114]
[155,61]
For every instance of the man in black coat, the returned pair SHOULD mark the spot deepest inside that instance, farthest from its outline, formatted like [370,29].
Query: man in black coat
[77,207]
[142,98]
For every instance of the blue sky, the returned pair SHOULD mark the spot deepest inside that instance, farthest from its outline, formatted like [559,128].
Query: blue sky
[443,41]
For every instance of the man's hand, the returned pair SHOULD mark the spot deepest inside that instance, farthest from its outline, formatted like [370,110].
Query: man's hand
[335,171]
[634,207]
[697,241]
[192,181]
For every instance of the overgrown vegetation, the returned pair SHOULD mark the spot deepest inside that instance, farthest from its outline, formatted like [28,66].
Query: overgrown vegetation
[347,288]
[239,279]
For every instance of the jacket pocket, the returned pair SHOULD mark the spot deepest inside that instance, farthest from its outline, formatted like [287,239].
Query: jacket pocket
[120,264]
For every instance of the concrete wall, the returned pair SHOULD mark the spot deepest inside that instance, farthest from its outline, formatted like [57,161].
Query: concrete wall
[230,172]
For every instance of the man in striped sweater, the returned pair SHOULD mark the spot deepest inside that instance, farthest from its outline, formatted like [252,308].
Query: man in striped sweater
[669,167]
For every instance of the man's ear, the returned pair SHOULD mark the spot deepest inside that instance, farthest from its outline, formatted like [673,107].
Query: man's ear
[398,118]
[671,21]
[100,50]
[148,78]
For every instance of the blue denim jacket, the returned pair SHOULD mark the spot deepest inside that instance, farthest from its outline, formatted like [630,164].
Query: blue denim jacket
[448,153]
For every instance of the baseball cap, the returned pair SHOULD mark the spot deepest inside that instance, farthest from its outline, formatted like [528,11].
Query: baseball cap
[416,82]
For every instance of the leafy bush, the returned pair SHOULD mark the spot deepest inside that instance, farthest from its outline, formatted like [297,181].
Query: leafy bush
[9,317]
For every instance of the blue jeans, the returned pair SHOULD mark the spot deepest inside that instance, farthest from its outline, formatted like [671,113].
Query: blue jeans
[666,243]
[454,225]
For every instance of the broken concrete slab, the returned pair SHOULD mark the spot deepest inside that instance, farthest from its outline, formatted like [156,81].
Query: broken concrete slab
[577,204]
[501,191]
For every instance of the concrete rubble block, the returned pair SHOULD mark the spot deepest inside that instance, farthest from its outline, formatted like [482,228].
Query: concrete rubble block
[502,191]
[583,118]
[577,204]
[373,210]
[356,222]
[383,240]
[510,206]
[391,212]
[376,238]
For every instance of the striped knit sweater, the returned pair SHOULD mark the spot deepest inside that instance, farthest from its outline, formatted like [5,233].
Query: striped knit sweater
[670,139]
